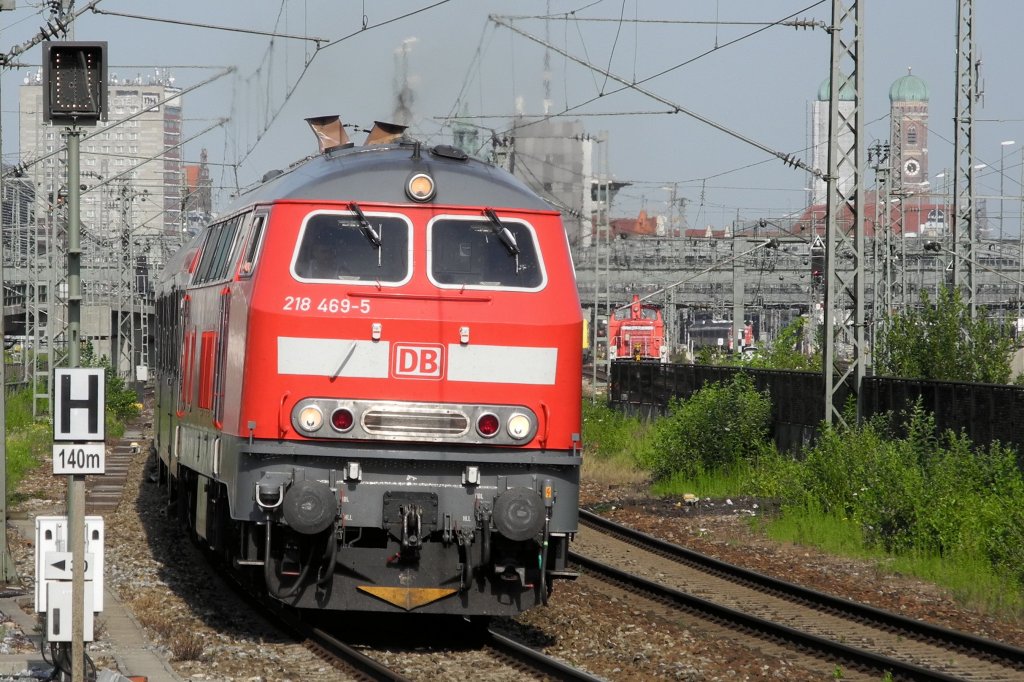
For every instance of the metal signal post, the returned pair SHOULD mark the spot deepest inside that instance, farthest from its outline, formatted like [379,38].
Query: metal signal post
[75,94]
[76,484]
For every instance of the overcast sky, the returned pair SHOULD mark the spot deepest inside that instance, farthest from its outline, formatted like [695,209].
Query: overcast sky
[720,61]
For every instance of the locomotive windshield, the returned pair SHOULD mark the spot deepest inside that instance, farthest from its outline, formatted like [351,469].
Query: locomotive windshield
[645,314]
[353,247]
[474,253]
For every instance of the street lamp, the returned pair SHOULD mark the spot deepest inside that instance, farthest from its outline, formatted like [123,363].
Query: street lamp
[976,229]
[1002,163]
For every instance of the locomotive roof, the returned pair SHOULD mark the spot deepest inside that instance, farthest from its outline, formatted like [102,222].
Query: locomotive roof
[378,173]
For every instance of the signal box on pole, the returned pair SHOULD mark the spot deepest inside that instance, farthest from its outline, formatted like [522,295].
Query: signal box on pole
[74,82]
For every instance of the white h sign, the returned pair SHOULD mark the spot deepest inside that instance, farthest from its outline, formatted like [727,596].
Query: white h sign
[78,404]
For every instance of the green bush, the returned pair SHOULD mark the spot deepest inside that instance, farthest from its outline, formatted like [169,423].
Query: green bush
[785,351]
[944,340]
[918,493]
[719,426]
[28,439]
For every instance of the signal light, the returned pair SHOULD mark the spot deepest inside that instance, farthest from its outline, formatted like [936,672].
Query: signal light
[342,419]
[74,82]
[487,425]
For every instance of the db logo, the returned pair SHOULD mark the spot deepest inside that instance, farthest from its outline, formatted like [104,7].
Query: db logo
[418,362]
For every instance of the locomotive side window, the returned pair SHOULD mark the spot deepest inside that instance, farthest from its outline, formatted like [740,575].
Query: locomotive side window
[484,253]
[215,261]
[252,247]
[342,246]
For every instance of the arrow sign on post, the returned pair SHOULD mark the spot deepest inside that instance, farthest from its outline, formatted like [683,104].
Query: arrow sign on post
[59,566]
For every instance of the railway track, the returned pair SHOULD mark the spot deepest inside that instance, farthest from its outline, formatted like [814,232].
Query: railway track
[356,659]
[520,660]
[844,633]
[590,374]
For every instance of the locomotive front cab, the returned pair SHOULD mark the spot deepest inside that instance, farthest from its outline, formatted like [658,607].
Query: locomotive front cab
[417,447]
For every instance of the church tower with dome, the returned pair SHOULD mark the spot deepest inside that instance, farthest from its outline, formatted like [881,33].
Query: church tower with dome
[819,140]
[908,115]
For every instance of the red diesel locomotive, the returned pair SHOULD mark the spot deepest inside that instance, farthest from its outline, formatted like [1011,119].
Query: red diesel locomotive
[369,382]
[637,332]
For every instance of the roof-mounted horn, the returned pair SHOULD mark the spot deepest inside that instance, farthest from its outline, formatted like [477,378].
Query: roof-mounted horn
[384,132]
[330,134]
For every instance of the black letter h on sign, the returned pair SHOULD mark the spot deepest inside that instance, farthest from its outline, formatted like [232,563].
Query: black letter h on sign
[92,403]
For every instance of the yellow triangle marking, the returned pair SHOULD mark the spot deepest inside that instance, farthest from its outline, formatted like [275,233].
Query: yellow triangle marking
[408,598]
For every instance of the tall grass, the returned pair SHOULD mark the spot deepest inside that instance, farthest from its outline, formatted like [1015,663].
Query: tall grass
[27,440]
[723,482]
[610,446]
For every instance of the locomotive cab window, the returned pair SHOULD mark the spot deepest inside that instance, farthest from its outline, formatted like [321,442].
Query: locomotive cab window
[252,247]
[484,253]
[645,314]
[353,247]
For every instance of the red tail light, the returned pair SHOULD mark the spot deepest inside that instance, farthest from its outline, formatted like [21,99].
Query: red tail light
[487,425]
[342,419]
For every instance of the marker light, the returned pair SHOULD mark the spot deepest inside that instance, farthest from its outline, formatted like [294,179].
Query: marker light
[311,418]
[518,426]
[487,425]
[342,419]
[420,187]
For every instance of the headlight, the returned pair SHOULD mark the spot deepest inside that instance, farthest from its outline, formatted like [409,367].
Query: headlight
[420,187]
[311,418]
[518,426]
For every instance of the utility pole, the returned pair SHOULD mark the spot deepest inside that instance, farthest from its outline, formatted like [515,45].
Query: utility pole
[738,291]
[76,484]
[7,572]
[1002,173]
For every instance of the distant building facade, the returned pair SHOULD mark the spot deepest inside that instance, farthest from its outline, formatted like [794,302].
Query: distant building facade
[555,158]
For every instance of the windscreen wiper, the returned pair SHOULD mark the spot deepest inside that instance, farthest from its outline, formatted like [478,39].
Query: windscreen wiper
[502,232]
[367,229]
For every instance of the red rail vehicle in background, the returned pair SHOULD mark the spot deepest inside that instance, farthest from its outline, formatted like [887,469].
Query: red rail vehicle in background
[369,374]
[637,332]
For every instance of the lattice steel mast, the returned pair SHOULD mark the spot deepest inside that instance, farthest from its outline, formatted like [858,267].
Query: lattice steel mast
[963,179]
[844,354]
